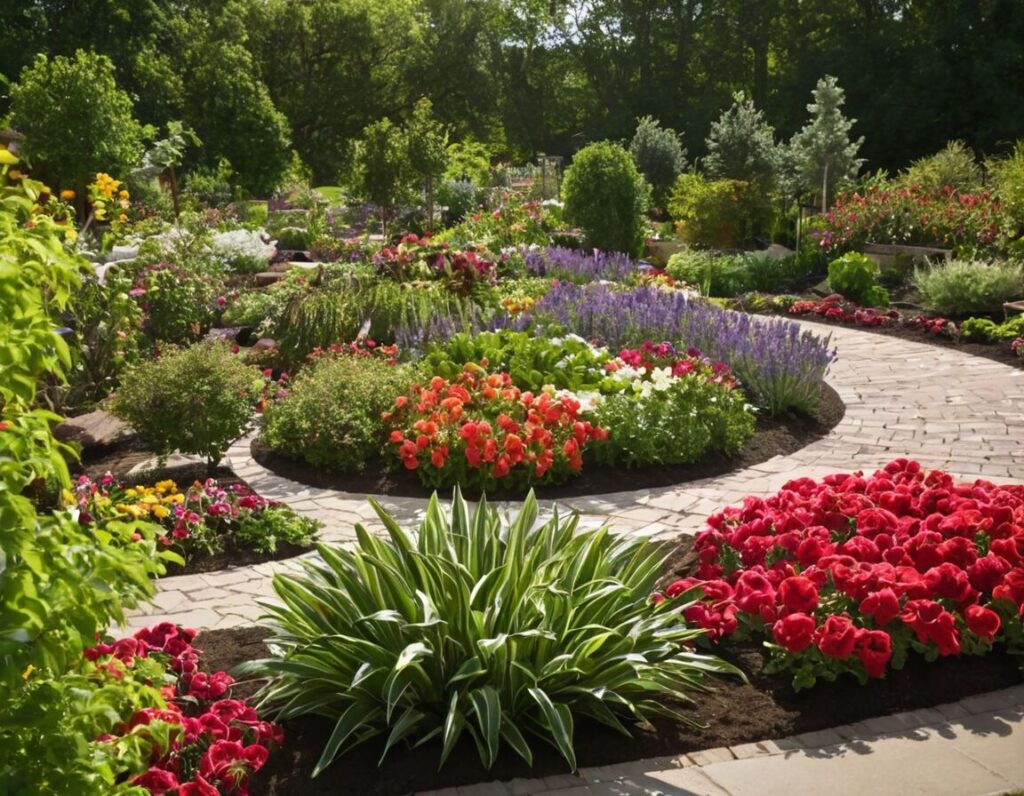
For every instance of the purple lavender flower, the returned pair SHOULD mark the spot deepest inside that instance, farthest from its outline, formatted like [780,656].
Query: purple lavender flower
[576,266]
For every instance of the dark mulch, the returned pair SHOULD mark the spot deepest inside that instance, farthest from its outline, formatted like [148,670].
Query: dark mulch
[734,712]
[119,459]
[998,352]
[778,436]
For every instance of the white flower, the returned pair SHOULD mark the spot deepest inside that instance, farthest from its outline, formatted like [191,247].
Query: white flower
[238,243]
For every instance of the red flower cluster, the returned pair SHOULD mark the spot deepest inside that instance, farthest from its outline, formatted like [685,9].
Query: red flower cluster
[423,258]
[835,307]
[482,431]
[850,573]
[361,349]
[653,355]
[216,743]
[911,216]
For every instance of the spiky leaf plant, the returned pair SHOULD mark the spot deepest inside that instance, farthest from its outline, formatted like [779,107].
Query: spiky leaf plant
[505,631]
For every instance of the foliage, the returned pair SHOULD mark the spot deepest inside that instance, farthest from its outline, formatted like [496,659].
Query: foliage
[967,223]
[963,287]
[606,196]
[741,145]
[514,222]
[179,304]
[720,214]
[659,156]
[198,518]
[822,152]
[855,276]
[728,275]
[1007,174]
[61,585]
[459,198]
[481,431]
[383,167]
[330,417]
[75,119]
[950,581]
[952,167]
[499,630]
[986,331]
[469,161]
[427,142]
[415,259]
[244,251]
[196,400]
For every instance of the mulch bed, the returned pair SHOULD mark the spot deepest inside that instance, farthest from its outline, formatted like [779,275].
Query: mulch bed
[735,712]
[998,352]
[119,459]
[777,436]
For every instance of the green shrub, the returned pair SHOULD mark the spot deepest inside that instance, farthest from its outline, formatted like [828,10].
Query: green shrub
[331,416]
[606,197]
[459,198]
[293,238]
[179,305]
[855,276]
[728,276]
[197,400]
[986,331]
[962,287]
[1007,175]
[500,630]
[658,154]
[724,214]
[267,530]
[954,166]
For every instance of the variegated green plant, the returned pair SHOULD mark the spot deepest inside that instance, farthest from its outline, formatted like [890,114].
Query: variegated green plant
[505,631]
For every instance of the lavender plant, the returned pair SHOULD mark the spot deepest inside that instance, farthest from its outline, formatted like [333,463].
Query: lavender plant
[572,265]
[780,365]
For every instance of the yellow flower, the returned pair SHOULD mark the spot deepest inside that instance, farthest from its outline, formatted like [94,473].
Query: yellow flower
[67,497]
[7,158]
[14,174]
[67,195]
[165,486]
[123,195]
[30,668]
[122,218]
[161,511]
[71,235]
[100,213]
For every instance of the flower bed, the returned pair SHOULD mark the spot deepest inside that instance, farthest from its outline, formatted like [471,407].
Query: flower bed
[185,735]
[852,574]
[200,521]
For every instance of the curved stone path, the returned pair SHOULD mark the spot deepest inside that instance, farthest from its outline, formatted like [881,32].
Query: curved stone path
[947,409]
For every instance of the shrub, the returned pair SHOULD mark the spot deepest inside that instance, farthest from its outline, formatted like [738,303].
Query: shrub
[952,167]
[727,276]
[459,198]
[243,251]
[1007,175]
[855,276]
[196,400]
[481,431]
[179,305]
[805,569]
[499,630]
[723,214]
[741,145]
[658,154]
[331,416]
[606,196]
[986,331]
[293,238]
[960,287]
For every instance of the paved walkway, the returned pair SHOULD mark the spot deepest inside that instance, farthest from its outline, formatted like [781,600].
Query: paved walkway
[948,410]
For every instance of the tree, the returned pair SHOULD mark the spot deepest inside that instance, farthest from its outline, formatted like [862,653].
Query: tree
[427,143]
[75,119]
[741,145]
[607,197]
[166,155]
[823,153]
[383,167]
[658,154]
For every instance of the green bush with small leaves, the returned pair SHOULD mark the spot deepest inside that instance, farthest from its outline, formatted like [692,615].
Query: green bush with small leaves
[265,531]
[331,416]
[730,275]
[723,214]
[855,276]
[987,331]
[506,631]
[196,400]
[965,287]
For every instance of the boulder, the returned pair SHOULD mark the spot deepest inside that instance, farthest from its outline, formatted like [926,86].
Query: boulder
[97,429]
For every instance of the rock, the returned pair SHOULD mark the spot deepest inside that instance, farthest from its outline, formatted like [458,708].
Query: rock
[98,429]
[268,278]
[774,252]
[119,253]
[228,334]
[263,344]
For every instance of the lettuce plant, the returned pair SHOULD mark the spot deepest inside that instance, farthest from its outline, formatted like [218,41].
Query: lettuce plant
[503,631]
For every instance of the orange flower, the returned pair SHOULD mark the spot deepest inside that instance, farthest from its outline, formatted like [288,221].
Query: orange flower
[67,195]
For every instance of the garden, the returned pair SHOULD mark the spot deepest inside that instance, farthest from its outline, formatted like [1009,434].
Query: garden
[625,424]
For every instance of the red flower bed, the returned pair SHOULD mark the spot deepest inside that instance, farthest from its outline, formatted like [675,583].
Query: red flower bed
[850,574]
[203,743]
[483,431]
[837,308]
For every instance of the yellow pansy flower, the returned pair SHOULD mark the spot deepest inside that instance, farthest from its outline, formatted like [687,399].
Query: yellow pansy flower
[161,511]
[165,486]
[7,158]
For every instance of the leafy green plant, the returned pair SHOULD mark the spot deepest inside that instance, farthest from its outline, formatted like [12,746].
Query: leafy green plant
[502,631]
[954,166]
[855,276]
[331,416]
[726,275]
[724,214]
[607,197]
[987,331]
[267,530]
[196,400]
[963,287]
[659,155]
[293,238]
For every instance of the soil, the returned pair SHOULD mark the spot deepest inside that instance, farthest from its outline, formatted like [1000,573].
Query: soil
[119,459]
[734,712]
[998,352]
[778,436]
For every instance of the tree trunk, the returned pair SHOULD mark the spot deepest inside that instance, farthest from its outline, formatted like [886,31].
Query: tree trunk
[430,202]
[174,193]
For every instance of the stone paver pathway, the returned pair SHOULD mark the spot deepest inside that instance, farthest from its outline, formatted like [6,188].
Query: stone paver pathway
[948,410]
